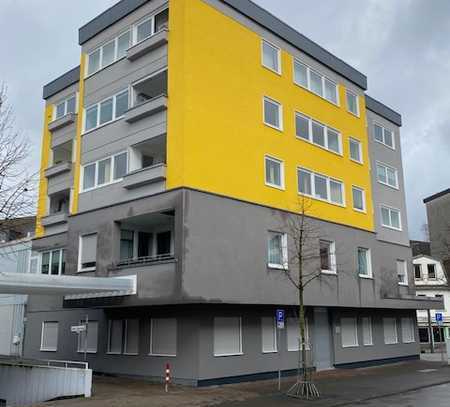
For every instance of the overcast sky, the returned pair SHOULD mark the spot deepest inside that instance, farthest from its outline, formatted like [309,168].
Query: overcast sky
[401,45]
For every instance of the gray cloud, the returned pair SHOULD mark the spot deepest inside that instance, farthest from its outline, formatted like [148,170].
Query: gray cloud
[400,45]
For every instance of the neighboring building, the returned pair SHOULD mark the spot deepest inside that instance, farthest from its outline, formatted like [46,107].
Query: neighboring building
[419,247]
[431,281]
[15,257]
[176,152]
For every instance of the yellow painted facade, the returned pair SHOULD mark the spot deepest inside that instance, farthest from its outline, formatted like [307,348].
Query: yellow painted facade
[216,137]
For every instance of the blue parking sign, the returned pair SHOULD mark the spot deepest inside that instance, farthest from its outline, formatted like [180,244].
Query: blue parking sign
[439,318]
[280,318]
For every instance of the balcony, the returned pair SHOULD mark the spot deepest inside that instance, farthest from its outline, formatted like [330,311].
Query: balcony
[58,169]
[155,41]
[54,219]
[59,181]
[148,108]
[145,176]
[62,122]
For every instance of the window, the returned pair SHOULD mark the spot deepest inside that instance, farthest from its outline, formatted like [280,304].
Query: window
[407,330]
[88,343]
[352,103]
[417,271]
[387,175]
[364,262]
[349,332]
[87,258]
[390,218]
[384,136]
[123,336]
[312,80]
[317,133]
[163,337]
[320,187]
[108,53]
[65,107]
[390,331]
[131,337]
[359,199]
[402,272]
[53,262]
[431,268]
[274,170]
[293,334]
[269,334]
[367,331]
[105,171]
[273,114]
[227,336]
[126,244]
[355,150]
[115,336]
[424,335]
[49,336]
[106,111]
[271,57]
[164,243]
[277,250]
[151,26]
[327,256]
[438,334]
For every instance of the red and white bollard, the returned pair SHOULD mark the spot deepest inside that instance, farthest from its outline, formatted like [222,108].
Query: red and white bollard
[167,378]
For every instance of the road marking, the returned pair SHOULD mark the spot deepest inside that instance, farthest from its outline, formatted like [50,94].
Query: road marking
[427,370]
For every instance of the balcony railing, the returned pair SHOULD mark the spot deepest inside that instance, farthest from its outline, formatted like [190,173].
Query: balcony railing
[145,176]
[139,261]
[62,122]
[57,169]
[152,106]
[155,41]
[55,219]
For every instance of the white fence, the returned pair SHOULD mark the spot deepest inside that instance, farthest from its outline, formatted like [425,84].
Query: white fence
[24,383]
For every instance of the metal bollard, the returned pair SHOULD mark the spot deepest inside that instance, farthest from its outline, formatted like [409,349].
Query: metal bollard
[167,381]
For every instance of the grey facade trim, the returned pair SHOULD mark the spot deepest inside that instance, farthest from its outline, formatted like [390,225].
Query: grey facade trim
[437,195]
[383,110]
[63,82]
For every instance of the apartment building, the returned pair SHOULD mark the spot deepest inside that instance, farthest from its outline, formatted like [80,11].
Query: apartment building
[176,152]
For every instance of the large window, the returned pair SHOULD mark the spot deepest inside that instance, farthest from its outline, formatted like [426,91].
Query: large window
[317,133]
[65,107]
[277,250]
[359,199]
[384,136]
[87,257]
[407,330]
[327,252]
[402,272]
[105,171]
[274,172]
[364,262]
[355,150]
[49,336]
[387,175]
[227,336]
[390,331]
[163,337]
[320,187]
[367,331]
[87,341]
[273,113]
[312,80]
[123,336]
[106,111]
[271,57]
[53,262]
[352,102]
[293,334]
[126,244]
[349,332]
[390,218]
[269,334]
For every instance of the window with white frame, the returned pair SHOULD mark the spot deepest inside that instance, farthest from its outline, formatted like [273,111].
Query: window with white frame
[387,175]
[320,187]
[150,26]
[359,199]
[317,133]
[163,337]
[274,172]
[49,336]
[105,171]
[352,102]
[87,340]
[349,332]
[418,271]
[271,56]
[390,331]
[407,330]
[227,336]
[123,336]
[402,272]
[315,82]
[33,266]
[355,150]
[269,334]
[106,111]
[327,253]
[293,334]
[53,262]
[431,268]
[390,218]
[277,250]
[87,257]
[364,262]
[383,136]
[366,323]
[66,106]
[273,113]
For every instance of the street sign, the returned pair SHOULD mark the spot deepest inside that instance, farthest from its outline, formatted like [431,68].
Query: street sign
[439,318]
[78,328]
[280,318]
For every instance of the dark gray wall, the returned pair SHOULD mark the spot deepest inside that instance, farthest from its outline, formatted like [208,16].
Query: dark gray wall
[438,214]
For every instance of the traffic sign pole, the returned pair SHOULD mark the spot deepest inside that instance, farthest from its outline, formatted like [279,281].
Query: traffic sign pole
[279,316]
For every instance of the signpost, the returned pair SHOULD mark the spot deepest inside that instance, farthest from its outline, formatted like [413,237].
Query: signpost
[439,320]
[79,329]
[279,316]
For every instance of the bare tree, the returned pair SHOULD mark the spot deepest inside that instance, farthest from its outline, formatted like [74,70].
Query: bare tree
[17,183]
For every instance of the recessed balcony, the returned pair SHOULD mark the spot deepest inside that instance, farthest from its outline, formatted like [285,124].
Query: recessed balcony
[58,169]
[55,219]
[148,108]
[62,122]
[155,41]
[145,176]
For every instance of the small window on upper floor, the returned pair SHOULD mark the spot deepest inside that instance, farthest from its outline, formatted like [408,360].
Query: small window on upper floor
[277,250]
[274,172]
[387,175]
[359,199]
[402,272]
[65,107]
[352,103]
[383,136]
[150,26]
[273,113]
[327,252]
[390,218]
[431,268]
[271,57]
[364,262]
[417,271]
[87,256]
[355,150]
[53,262]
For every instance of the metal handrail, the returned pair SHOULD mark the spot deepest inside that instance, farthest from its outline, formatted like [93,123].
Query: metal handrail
[43,363]
[144,260]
